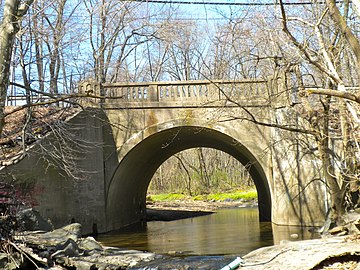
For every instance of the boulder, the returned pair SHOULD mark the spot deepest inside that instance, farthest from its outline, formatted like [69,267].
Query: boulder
[55,237]
[89,244]
[68,249]
[31,220]
[338,230]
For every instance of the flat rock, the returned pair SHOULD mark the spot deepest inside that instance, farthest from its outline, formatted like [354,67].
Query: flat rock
[337,229]
[55,237]
[299,255]
[89,244]
[112,258]
[186,263]
[68,249]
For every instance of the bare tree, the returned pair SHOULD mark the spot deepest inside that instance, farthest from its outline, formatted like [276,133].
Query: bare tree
[114,33]
[200,171]
[322,49]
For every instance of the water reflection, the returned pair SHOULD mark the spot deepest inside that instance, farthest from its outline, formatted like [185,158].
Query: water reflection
[226,232]
[229,231]
[132,237]
[292,233]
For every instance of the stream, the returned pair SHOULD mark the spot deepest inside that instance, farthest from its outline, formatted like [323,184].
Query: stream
[228,231]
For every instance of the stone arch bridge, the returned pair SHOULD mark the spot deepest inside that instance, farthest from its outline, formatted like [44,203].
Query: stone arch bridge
[137,126]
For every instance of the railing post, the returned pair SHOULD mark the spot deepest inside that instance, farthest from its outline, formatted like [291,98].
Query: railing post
[90,88]
[213,91]
[153,92]
[278,90]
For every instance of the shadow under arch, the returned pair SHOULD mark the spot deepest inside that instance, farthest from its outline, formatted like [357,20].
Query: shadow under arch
[126,195]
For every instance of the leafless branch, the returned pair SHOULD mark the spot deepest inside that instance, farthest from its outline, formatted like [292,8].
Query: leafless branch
[331,92]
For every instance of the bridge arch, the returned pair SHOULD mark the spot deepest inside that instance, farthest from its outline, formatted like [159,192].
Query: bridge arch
[126,192]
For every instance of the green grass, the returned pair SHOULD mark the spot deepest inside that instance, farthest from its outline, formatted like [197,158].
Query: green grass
[237,195]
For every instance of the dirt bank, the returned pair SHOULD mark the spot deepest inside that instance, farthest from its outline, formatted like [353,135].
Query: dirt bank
[190,205]
[179,209]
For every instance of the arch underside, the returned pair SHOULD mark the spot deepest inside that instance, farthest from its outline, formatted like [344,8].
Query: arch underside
[129,184]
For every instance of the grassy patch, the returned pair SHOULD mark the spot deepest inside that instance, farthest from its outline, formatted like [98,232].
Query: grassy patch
[237,195]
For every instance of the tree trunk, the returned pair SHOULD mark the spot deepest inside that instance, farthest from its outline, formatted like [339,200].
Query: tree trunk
[337,194]
[13,11]
[345,30]
[203,170]
[337,190]
[188,181]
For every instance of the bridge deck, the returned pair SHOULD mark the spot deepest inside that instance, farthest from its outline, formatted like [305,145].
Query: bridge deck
[181,93]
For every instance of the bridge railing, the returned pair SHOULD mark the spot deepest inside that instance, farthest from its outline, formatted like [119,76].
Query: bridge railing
[61,100]
[180,93]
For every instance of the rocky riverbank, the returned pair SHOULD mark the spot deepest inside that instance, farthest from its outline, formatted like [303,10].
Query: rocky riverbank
[65,248]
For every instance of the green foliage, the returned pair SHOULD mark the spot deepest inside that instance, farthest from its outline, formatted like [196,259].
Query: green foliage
[236,195]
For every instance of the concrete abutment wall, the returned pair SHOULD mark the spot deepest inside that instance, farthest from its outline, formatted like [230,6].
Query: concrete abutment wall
[62,176]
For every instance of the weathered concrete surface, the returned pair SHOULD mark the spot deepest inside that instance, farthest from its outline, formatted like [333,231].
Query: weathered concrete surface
[299,255]
[45,178]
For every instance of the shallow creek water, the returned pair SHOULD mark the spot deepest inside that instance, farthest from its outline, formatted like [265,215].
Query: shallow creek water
[228,231]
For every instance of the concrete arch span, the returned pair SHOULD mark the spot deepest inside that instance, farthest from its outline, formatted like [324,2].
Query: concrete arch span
[126,192]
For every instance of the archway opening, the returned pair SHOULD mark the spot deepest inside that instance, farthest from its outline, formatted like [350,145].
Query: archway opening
[205,175]
[126,195]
